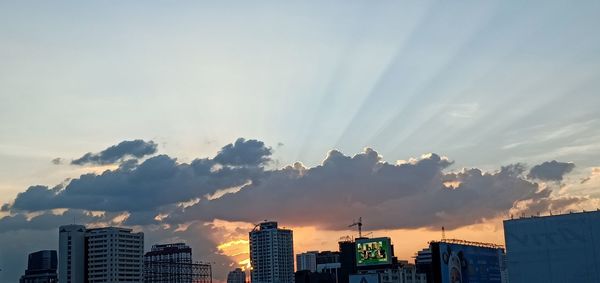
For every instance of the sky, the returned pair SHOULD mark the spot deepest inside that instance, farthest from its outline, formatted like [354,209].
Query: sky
[193,120]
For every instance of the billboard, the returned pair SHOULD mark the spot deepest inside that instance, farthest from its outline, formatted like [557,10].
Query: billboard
[459,263]
[376,251]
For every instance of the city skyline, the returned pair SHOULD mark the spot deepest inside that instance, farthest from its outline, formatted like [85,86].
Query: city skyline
[194,121]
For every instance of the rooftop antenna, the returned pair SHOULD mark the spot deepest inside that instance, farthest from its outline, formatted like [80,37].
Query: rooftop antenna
[359,224]
[443,233]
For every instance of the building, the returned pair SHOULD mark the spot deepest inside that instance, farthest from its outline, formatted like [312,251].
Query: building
[423,263]
[109,254]
[236,276]
[41,268]
[464,261]
[307,276]
[71,254]
[402,273]
[307,261]
[347,258]
[329,262]
[555,248]
[271,254]
[168,263]
[114,255]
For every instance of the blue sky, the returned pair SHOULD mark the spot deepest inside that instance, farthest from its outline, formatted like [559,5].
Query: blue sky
[485,83]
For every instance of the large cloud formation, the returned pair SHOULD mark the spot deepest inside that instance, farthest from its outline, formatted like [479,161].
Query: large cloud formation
[551,170]
[116,153]
[166,198]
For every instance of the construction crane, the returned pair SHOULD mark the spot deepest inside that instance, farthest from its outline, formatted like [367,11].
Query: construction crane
[359,224]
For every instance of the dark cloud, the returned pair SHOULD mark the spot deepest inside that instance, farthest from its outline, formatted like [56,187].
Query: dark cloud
[117,153]
[158,181]
[551,170]
[244,153]
[47,220]
[57,161]
[409,195]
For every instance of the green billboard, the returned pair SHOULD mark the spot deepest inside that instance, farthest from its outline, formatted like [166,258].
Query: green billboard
[376,251]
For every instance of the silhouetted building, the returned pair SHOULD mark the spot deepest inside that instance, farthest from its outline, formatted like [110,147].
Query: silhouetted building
[306,276]
[328,257]
[329,262]
[347,260]
[41,268]
[423,264]
[109,254]
[307,261]
[236,276]
[559,248]
[168,263]
[271,254]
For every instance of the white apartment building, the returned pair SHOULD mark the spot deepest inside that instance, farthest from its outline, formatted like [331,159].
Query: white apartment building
[271,254]
[106,255]
[115,255]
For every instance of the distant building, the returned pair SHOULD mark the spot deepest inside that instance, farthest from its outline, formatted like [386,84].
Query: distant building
[307,276]
[403,273]
[271,254]
[41,268]
[109,254]
[236,276]
[559,248]
[168,263]
[329,262]
[317,262]
[71,254]
[347,258]
[307,261]
[423,263]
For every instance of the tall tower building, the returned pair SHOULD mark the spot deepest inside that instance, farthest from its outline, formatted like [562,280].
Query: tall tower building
[271,254]
[168,263]
[71,254]
[41,268]
[114,255]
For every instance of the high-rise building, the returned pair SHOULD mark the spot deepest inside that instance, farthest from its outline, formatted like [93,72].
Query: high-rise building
[71,254]
[114,255]
[307,261]
[41,268]
[555,248]
[236,276]
[271,254]
[168,263]
[108,254]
